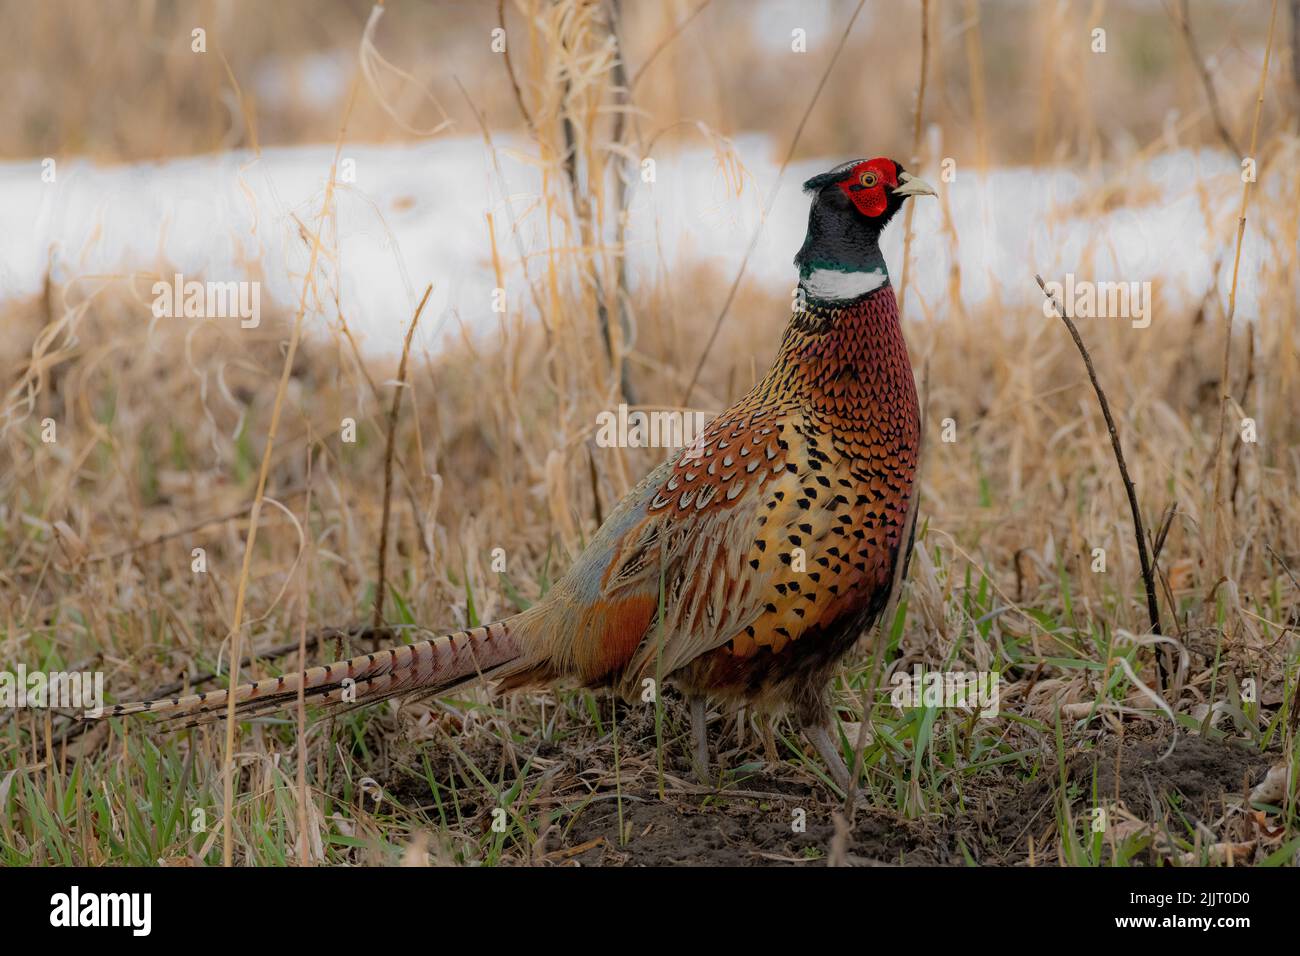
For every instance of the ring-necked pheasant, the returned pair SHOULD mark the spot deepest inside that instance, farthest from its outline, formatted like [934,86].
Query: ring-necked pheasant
[775,535]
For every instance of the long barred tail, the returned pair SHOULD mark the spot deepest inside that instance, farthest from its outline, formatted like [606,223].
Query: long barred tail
[408,668]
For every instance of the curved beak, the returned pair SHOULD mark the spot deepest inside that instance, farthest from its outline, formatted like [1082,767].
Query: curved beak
[909,185]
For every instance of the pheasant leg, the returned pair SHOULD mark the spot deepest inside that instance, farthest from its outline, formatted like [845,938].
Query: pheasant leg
[820,738]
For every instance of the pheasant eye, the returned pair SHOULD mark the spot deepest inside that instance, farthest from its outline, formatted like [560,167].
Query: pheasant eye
[869,179]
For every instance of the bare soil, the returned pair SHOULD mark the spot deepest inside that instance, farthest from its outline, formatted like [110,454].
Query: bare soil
[1002,819]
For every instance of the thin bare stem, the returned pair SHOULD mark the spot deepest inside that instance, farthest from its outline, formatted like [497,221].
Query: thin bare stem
[510,70]
[189,529]
[304,858]
[767,207]
[381,584]
[237,626]
[915,157]
[1184,18]
[665,43]
[1148,578]
[1222,534]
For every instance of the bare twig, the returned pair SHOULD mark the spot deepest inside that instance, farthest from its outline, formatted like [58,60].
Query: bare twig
[1245,398]
[301,715]
[1184,19]
[1282,561]
[767,207]
[510,70]
[595,488]
[665,43]
[915,156]
[1162,532]
[1221,514]
[189,529]
[623,92]
[380,586]
[582,200]
[237,625]
[1148,578]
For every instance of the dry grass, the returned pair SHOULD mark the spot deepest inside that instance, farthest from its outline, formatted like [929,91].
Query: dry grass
[130,89]
[162,426]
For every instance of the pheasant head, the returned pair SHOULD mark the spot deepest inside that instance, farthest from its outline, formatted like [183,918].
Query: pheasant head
[852,203]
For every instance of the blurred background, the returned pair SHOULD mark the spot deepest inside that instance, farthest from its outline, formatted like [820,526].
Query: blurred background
[1013,79]
[1120,108]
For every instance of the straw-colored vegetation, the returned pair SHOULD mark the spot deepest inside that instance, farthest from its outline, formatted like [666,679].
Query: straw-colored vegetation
[162,428]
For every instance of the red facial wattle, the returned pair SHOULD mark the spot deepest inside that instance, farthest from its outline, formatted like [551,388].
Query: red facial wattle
[866,185]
